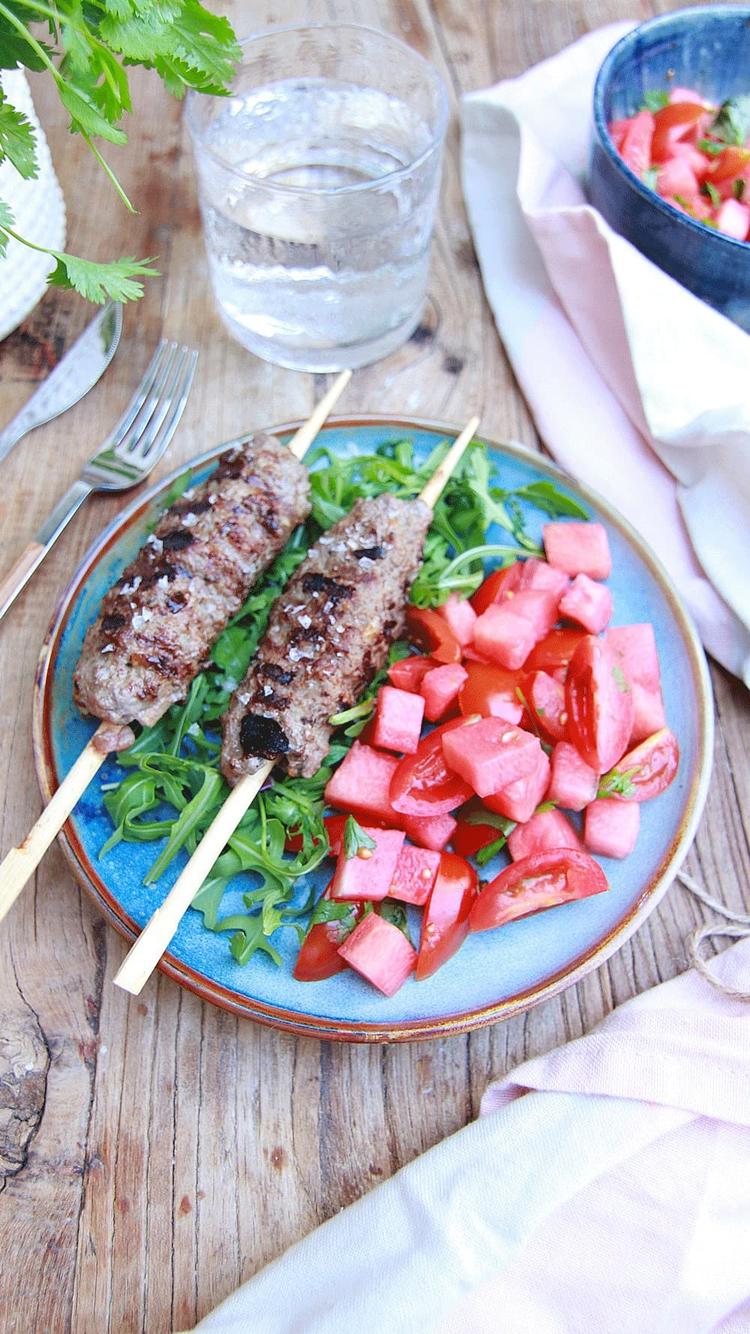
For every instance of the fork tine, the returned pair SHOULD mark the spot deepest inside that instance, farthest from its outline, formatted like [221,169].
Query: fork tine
[119,432]
[142,448]
[159,438]
[151,403]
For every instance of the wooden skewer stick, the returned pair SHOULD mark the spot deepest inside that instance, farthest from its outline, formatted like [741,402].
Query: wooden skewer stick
[20,863]
[145,953]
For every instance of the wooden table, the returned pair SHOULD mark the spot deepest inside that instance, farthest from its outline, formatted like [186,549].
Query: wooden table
[156,1152]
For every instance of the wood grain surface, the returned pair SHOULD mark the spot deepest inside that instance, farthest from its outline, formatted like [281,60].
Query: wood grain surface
[156,1152]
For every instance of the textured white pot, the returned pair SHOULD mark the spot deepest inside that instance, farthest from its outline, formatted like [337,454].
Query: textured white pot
[39,212]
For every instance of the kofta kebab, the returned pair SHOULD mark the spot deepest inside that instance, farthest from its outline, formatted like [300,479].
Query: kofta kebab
[328,634]
[155,628]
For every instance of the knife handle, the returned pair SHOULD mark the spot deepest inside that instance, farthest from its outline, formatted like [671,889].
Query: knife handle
[18,576]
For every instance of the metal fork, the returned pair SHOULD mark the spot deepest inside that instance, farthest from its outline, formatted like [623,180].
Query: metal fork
[127,455]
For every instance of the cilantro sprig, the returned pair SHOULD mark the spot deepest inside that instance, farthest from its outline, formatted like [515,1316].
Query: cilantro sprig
[87,50]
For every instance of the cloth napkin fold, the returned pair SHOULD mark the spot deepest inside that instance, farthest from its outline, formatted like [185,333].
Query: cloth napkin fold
[637,387]
[606,1186]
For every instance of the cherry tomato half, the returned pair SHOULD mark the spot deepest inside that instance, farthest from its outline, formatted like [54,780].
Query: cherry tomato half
[491,691]
[422,784]
[542,880]
[407,673]
[468,839]
[490,591]
[319,957]
[432,631]
[546,700]
[727,165]
[669,124]
[651,766]
[599,704]
[554,651]
[445,924]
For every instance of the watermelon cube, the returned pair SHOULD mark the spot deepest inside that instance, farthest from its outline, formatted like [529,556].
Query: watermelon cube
[587,603]
[414,875]
[573,783]
[379,952]
[398,720]
[611,827]
[634,647]
[543,832]
[733,219]
[538,605]
[430,831]
[519,800]
[362,784]
[503,636]
[490,753]
[439,689]
[538,574]
[648,713]
[369,873]
[461,618]
[578,548]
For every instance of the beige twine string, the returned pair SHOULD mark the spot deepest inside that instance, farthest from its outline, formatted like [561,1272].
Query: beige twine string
[737,931]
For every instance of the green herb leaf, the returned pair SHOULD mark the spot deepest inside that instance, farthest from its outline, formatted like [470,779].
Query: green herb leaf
[395,913]
[712,193]
[355,837]
[732,123]
[17,140]
[651,177]
[620,679]
[654,100]
[711,147]
[547,496]
[738,187]
[617,783]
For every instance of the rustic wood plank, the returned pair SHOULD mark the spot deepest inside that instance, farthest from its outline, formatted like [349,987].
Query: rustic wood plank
[154,1151]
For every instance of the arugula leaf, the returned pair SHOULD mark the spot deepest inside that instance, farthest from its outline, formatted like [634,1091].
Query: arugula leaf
[654,100]
[17,140]
[732,123]
[548,497]
[355,837]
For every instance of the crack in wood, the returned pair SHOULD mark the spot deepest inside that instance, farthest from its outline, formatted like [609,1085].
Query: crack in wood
[24,1062]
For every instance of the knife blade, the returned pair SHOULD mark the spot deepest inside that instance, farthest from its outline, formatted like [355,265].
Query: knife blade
[79,370]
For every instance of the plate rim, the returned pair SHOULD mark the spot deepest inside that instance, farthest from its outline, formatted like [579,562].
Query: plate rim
[412,1030]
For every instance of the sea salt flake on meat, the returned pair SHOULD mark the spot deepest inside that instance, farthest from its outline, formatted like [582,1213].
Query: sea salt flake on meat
[189,519]
[305,622]
[108,648]
[156,543]
[163,582]
[267,690]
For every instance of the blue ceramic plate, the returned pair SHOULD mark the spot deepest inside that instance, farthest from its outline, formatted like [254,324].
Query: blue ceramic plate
[496,973]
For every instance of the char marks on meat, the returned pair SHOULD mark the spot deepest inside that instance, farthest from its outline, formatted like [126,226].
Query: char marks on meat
[328,634]
[156,626]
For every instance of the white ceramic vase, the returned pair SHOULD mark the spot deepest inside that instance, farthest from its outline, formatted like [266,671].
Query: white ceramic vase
[39,211]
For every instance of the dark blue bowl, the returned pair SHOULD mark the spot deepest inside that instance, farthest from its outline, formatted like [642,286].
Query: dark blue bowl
[708,49]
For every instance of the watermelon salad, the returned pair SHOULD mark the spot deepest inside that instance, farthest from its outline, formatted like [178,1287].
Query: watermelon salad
[694,154]
[526,726]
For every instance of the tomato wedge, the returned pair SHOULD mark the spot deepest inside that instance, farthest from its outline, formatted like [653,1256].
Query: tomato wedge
[730,163]
[319,956]
[542,880]
[445,925]
[546,701]
[491,691]
[422,783]
[554,651]
[431,631]
[489,591]
[670,123]
[650,767]
[599,704]
[407,673]
[469,838]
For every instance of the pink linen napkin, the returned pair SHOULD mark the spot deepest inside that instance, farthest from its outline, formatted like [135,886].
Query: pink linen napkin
[605,1187]
[636,386]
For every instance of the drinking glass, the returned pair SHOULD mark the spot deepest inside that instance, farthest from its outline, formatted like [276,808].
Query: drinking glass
[318,181]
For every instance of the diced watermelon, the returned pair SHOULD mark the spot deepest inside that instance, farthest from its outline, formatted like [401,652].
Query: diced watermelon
[519,800]
[362,784]
[733,219]
[578,548]
[634,647]
[682,94]
[573,783]
[636,144]
[461,618]
[429,831]
[544,831]
[587,603]
[617,131]
[490,753]
[504,637]
[414,875]
[537,605]
[398,720]
[439,689]
[472,654]
[611,827]
[676,177]
[697,161]
[545,697]
[648,713]
[531,575]
[369,873]
[379,952]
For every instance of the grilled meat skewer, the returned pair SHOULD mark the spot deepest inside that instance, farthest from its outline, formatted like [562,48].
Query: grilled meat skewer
[155,629]
[328,635]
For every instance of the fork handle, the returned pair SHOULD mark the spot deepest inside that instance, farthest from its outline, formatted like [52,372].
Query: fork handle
[29,560]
